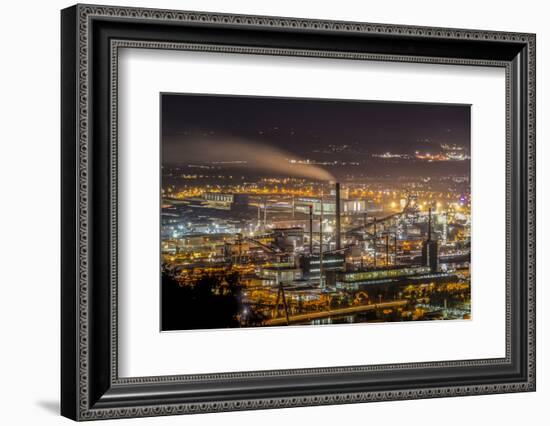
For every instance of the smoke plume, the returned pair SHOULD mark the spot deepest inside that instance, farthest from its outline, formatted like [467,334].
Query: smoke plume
[241,153]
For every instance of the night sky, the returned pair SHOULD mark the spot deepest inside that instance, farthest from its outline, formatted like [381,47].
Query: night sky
[304,126]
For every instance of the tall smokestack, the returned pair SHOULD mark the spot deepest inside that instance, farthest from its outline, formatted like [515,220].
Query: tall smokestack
[265,212]
[375,241]
[310,229]
[338,237]
[430,224]
[387,249]
[430,249]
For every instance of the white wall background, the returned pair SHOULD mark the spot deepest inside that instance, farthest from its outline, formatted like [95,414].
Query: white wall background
[29,211]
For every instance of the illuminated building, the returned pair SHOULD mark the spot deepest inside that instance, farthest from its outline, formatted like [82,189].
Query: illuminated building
[354,206]
[224,201]
[328,207]
[311,265]
[289,239]
[377,274]
[430,248]
[279,274]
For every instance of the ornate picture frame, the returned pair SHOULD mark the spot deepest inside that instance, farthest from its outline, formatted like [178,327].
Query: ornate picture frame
[91,37]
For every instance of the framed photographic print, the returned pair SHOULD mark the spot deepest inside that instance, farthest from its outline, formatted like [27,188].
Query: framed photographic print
[263,212]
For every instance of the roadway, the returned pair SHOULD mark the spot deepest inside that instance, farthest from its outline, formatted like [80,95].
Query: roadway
[310,316]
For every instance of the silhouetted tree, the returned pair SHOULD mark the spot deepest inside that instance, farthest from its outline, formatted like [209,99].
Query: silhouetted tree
[211,302]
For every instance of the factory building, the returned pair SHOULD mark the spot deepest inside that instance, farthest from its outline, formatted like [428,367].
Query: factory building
[328,205]
[311,264]
[273,275]
[430,248]
[289,239]
[347,206]
[385,273]
[224,201]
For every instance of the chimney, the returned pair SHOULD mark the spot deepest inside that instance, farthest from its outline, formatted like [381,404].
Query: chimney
[430,249]
[338,237]
[310,229]
[395,249]
[430,224]
[375,241]
[387,249]
[265,213]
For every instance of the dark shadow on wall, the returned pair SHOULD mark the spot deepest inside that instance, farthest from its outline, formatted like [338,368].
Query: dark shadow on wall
[50,406]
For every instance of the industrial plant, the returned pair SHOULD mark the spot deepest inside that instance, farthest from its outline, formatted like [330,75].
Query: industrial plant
[327,257]
[278,228]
